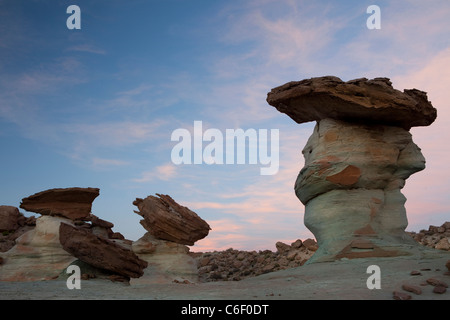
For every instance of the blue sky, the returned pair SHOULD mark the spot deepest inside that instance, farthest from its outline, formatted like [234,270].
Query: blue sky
[96,107]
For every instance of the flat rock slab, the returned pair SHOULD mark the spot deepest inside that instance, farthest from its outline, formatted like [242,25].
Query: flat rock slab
[359,100]
[72,203]
[99,252]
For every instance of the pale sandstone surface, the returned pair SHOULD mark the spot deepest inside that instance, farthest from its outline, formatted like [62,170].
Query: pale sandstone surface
[350,185]
[38,254]
[340,280]
[167,261]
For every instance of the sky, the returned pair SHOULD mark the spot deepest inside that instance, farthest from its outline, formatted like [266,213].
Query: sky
[96,106]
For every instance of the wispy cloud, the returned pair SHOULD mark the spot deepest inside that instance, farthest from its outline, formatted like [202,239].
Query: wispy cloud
[164,172]
[102,162]
[87,48]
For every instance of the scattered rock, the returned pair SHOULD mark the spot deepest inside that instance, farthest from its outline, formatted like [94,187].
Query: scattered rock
[435,237]
[436,282]
[235,265]
[415,273]
[411,288]
[398,295]
[439,289]
[72,203]
[165,219]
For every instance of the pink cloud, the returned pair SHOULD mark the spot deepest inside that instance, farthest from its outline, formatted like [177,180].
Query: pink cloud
[428,191]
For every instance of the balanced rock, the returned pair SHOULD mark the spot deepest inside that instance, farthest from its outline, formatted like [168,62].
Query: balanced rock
[167,220]
[72,203]
[100,252]
[356,162]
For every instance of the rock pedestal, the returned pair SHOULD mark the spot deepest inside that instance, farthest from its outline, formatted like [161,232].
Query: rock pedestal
[63,234]
[356,162]
[170,228]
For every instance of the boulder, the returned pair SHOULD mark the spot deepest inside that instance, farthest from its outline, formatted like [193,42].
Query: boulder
[12,225]
[9,218]
[167,220]
[100,252]
[72,203]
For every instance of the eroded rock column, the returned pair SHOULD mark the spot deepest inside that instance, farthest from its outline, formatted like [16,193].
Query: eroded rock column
[356,162]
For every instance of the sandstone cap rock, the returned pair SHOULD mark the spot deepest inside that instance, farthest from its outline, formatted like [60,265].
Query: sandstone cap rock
[358,100]
[165,219]
[72,203]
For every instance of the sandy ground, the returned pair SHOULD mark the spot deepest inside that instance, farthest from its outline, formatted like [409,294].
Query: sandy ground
[341,280]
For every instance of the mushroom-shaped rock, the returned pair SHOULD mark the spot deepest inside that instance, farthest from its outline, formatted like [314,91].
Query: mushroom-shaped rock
[356,162]
[167,220]
[72,203]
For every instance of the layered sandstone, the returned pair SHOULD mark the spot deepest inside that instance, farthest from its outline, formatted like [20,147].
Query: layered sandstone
[360,100]
[170,227]
[72,203]
[66,231]
[100,252]
[356,162]
[167,220]
[167,261]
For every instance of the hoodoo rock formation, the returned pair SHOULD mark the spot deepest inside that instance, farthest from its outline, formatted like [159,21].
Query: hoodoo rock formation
[66,231]
[356,162]
[170,229]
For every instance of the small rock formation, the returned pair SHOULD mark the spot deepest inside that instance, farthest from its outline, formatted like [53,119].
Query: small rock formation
[72,203]
[100,252]
[356,162]
[167,220]
[170,228]
[66,231]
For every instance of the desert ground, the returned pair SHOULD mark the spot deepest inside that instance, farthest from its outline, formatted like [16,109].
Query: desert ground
[339,280]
